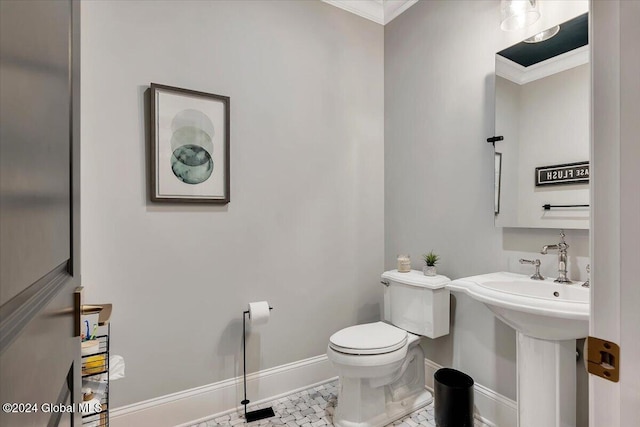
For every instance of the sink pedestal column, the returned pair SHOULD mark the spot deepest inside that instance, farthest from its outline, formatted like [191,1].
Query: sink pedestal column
[546,382]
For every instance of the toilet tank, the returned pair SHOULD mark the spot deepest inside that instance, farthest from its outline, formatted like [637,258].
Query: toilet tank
[417,303]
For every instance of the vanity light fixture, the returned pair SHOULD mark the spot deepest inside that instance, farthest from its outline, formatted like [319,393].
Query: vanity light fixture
[518,14]
[543,35]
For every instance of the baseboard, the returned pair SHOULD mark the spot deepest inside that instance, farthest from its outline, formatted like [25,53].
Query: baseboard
[190,406]
[491,409]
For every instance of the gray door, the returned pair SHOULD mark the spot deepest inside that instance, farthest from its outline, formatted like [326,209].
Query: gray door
[39,211]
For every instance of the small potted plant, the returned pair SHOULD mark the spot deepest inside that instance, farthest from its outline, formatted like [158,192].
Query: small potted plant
[431,259]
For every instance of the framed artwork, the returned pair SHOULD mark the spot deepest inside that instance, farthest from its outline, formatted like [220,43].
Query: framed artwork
[498,175]
[189,146]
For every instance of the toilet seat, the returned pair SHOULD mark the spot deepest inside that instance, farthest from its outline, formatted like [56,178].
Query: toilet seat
[369,339]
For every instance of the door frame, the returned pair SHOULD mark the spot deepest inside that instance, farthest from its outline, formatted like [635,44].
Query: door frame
[615,205]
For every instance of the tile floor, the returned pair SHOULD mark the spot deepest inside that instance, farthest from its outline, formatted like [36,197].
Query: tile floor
[312,408]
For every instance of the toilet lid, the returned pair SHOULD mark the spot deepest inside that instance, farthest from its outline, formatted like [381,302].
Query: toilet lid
[370,338]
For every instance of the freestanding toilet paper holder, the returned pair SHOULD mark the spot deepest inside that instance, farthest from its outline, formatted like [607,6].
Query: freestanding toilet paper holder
[258,414]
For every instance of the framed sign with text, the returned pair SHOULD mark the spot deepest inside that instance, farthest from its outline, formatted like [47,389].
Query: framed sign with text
[568,173]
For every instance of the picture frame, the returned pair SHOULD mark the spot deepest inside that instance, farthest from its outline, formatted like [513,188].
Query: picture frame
[190,143]
[497,178]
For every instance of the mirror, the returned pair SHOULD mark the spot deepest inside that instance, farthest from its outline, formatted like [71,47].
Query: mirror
[542,113]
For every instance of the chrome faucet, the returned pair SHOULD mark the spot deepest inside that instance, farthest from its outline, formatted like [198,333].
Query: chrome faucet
[562,258]
[536,263]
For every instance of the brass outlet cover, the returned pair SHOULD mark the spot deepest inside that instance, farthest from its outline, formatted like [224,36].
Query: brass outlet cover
[603,358]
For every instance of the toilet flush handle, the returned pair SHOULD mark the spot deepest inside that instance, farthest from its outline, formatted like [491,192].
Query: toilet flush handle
[384,282]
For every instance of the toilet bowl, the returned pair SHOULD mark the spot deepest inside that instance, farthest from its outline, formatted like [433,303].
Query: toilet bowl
[381,370]
[381,365]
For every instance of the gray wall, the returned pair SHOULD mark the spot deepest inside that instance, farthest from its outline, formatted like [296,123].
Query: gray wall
[439,110]
[308,178]
[304,229]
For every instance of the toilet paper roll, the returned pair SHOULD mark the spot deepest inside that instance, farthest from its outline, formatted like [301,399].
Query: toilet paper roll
[258,312]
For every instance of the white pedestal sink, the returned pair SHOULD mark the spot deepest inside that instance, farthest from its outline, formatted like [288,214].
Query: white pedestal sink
[548,318]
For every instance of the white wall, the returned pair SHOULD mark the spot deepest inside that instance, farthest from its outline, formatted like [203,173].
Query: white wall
[304,228]
[439,110]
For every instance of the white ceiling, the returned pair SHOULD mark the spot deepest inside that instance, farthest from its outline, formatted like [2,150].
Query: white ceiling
[380,11]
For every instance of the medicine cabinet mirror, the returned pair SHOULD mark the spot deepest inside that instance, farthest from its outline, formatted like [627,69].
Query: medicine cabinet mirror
[542,113]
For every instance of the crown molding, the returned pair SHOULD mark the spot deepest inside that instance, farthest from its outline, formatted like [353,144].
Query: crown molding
[378,11]
[393,8]
[522,75]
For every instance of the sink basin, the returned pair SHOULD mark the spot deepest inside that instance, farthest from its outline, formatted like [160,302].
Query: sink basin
[548,317]
[537,308]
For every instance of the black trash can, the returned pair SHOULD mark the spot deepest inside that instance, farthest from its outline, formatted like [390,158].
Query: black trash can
[453,398]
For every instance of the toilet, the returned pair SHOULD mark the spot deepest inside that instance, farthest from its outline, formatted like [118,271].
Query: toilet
[381,365]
